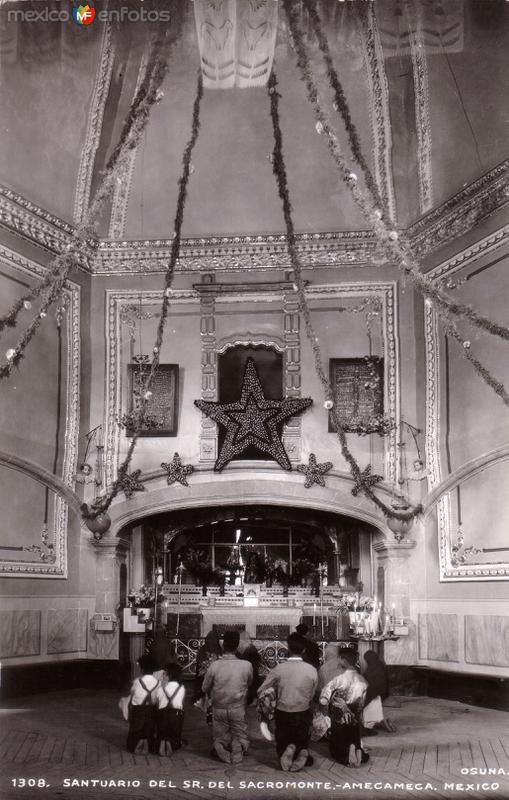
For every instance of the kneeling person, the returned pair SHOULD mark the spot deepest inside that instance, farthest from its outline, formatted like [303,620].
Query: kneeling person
[227,681]
[295,683]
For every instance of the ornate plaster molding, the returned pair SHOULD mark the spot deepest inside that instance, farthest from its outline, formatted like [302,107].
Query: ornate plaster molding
[122,191]
[422,116]
[23,218]
[432,425]
[231,254]
[451,569]
[57,568]
[461,212]
[117,300]
[238,253]
[471,254]
[94,125]
[379,104]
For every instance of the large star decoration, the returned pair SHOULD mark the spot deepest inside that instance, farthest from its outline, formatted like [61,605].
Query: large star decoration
[177,471]
[130,483]
[253,420]
[365,479]
[314,472]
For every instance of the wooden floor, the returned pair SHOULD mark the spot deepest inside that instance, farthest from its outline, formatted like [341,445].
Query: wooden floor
[79,736]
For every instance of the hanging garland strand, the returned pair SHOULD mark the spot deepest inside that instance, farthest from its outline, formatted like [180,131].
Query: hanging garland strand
[341,104]
[117,486]
[83,243]
[362,478]
[484,374]
[397,250]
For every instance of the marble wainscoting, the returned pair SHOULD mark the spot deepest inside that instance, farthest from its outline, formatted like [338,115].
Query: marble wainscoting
[103,644]
[468,636]
[487,640]
[20,633]
[403,651]
[439,637]
[67,630]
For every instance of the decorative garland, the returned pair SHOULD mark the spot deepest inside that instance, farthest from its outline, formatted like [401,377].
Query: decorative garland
[362,478]
[481,370]
[397,247]
[84,242]
[340,103]
[107,500]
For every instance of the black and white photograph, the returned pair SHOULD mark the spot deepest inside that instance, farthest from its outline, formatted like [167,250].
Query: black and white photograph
[254,399]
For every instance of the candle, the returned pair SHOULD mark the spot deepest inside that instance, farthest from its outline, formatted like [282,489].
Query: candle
[314,614]
[393,612]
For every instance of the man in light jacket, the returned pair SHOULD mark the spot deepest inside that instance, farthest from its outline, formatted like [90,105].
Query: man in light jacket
[227,681]
[295,684]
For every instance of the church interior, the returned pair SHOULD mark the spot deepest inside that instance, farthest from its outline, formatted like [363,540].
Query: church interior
[254,373]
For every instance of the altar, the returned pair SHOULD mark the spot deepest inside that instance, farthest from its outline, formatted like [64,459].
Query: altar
[260,623]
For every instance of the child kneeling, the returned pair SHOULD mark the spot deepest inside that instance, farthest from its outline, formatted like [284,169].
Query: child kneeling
[141,709]
[170,711]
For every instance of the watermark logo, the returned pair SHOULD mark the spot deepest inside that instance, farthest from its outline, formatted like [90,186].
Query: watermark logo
[83,15]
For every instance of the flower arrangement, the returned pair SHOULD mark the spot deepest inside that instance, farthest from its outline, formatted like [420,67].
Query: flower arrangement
[143,598]
[200,567]
[353,601]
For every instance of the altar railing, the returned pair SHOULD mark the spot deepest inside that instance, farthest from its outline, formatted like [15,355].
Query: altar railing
[271,652]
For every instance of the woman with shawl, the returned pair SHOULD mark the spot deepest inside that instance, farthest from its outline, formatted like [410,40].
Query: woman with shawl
[344,698]
[378,690]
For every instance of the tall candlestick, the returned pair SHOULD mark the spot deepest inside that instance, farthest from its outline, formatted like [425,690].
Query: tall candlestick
[314,614]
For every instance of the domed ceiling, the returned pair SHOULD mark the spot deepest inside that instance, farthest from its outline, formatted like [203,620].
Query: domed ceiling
[425,83]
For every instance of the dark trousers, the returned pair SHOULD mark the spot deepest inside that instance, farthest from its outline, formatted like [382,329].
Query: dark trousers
[169,722]
[341,737]
[292,727]
[142,725]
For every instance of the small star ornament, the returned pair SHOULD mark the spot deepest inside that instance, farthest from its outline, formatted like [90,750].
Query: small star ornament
[177,471]
[314,472]
[130,483]
[253,420]
[366,479]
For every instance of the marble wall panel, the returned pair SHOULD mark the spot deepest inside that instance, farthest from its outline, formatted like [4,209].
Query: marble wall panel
[438,637]
[20,633]
[103,644]
[67,630]
[403,651]
[487,640]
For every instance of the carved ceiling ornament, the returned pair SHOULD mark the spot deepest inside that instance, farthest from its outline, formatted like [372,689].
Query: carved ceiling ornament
[236,41]
[94,125]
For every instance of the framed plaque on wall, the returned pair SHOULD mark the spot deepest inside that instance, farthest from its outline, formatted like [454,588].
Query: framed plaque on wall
[162,407]
[358,392]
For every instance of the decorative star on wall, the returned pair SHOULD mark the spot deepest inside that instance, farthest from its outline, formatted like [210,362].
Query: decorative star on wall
[366,479]
[314,472]
[177,471]
[130,483]
[253,420]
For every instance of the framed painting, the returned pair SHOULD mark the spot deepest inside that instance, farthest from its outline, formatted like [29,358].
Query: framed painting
[358,393]
[161,418]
